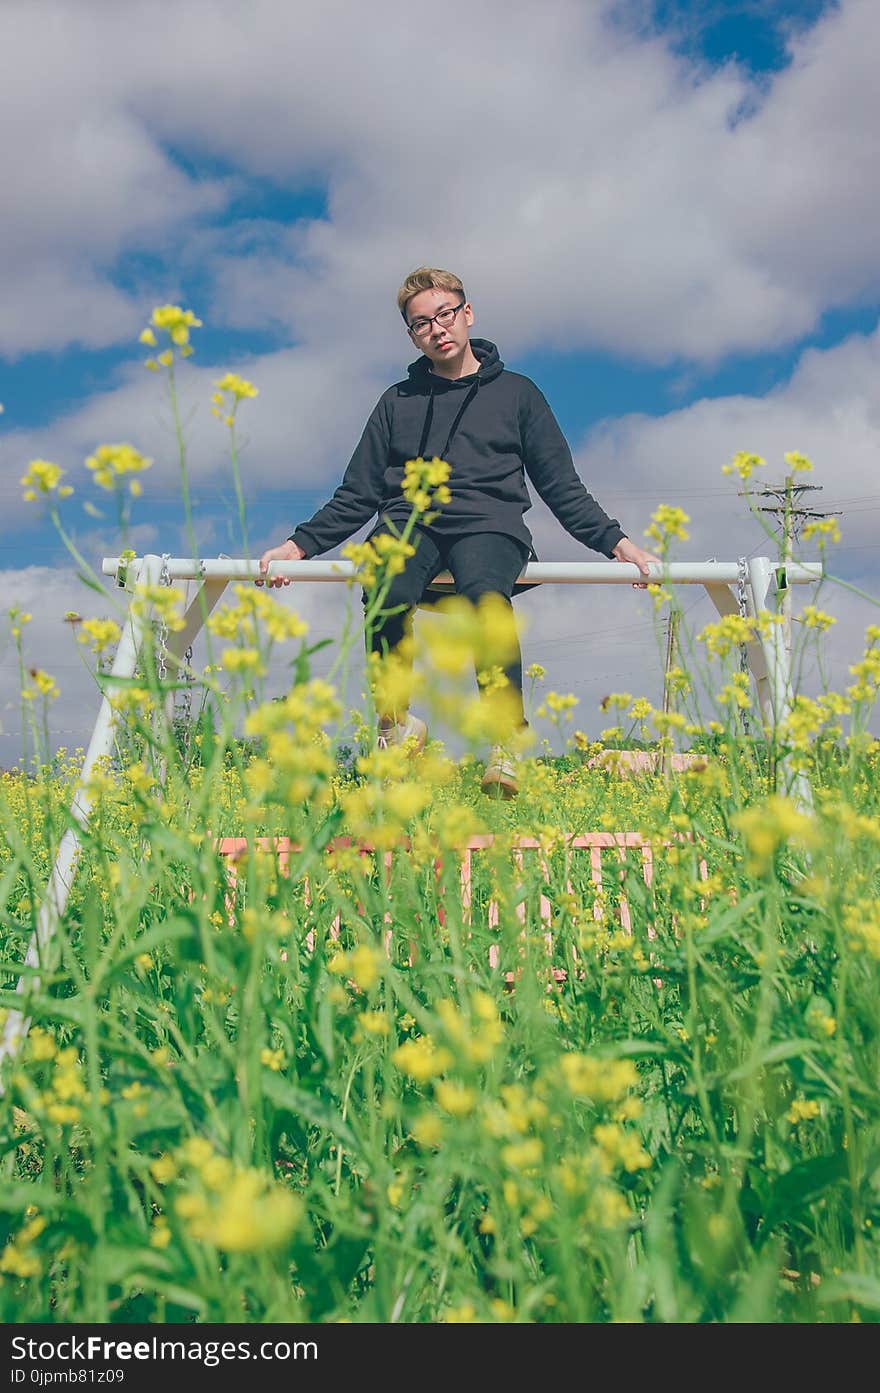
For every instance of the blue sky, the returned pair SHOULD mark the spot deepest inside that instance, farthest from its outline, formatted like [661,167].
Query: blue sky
[662,210]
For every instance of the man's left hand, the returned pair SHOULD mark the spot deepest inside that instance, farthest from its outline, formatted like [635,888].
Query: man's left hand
[627,550]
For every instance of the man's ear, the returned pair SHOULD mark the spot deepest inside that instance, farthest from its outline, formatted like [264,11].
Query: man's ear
[468,312]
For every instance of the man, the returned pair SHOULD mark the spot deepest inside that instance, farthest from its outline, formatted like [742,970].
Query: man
[494,427]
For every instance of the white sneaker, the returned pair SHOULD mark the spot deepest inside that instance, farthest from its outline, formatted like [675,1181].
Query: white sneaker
[501,777]
[401,732]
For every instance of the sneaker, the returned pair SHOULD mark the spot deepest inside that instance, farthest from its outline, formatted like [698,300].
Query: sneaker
[401,732]
[500,777]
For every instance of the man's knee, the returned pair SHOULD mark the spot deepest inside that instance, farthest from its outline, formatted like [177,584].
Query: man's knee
[476,590]
[403,590]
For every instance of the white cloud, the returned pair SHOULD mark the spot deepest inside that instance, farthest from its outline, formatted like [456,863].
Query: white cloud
[592,187]
[829,410]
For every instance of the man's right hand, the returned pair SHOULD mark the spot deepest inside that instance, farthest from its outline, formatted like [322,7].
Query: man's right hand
[288,551]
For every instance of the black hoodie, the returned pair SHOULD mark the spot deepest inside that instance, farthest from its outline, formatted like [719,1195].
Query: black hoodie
[494,428]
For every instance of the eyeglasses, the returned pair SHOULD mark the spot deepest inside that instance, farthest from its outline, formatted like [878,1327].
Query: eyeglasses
[422,326]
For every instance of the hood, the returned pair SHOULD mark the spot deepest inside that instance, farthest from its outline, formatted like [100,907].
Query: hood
[486,354]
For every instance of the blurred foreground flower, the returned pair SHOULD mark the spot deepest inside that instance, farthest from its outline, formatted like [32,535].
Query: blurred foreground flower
[110,462]
[43,478]
[743,464]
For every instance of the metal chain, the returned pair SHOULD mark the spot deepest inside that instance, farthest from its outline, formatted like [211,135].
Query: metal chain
[186,694]
[742,578]
[162,627]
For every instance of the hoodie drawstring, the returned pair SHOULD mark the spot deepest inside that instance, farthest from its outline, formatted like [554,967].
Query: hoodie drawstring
[429,416]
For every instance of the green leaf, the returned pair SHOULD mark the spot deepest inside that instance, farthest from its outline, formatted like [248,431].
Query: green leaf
[303,1104]
[121,1261]
[300,664]
[638,1049]
[91,584]
[807,1181]
[50,1008]
[853,1286]
[168,931]
[15,1196]
[783,1049]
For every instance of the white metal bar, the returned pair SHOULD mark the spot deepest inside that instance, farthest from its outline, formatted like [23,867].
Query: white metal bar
[64,870]
[761,581]
[762,578]
[536,573]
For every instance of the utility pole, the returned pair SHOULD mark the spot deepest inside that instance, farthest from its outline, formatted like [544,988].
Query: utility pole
[671,641]
[787,495]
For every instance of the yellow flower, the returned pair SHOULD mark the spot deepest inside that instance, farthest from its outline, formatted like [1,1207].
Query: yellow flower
[273,1059]
[743,464]
[798,463]
[100,633]
[479,1041]
[464,1314]
[163,1169]
[160,602]
[558,706]
[620,1147]
[803,1110]
[41,1045]
[421,1059]
[822,528]
[393,552]
[726,633]
[160,1232]
[427,1129]
[814,618]
[18,1262]
[365,964]
[365,560]
[43,478]
[425,482]
[523,1155]
[44,685]
[243,660]
[237,387]
[250,1214]
[770,825]
[176,323]
[604,1080]
[17,620]
[454,1098]
[110,462]
[666,523]
[374,1022]
[640,710]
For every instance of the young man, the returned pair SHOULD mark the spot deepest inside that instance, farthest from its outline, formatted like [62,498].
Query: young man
[495,428]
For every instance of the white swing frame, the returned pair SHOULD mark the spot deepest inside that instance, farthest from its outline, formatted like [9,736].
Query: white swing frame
[724,582]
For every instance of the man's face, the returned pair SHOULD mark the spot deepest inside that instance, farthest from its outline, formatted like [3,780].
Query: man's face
[439,342]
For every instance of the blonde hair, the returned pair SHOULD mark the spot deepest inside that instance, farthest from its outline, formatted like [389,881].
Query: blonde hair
[427,278]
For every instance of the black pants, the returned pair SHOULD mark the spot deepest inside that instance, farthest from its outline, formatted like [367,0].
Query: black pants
[482,563]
